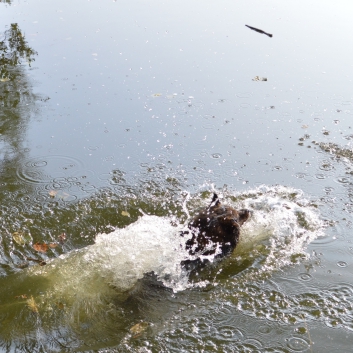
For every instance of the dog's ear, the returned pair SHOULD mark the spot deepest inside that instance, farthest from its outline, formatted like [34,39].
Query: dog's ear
[215,200]
[244,215]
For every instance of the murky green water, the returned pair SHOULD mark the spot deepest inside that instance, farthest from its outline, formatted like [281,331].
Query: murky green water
[118,120]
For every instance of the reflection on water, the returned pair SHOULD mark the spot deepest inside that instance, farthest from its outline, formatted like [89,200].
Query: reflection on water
[16,97]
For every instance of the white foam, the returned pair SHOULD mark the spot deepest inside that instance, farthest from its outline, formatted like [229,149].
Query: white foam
[151,244]
[285,218]
[119,259]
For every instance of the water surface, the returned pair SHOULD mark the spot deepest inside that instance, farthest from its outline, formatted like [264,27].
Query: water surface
[118,120]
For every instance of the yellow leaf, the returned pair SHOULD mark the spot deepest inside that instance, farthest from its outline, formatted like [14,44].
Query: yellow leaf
[21,239]
[137,329]
[32,304]
[125,213]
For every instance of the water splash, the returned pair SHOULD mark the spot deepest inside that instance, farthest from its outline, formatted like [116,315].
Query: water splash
[89,288]
[282,225]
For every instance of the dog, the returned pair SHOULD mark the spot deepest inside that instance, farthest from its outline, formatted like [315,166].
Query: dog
[214,231]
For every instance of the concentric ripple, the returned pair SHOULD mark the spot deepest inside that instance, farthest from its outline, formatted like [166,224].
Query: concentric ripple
[47,168]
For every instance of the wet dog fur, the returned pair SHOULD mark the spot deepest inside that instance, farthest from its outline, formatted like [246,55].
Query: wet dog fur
[214,231]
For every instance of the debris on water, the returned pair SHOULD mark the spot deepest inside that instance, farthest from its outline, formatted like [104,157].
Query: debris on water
[52,193]
[125,213]
[259,78]
[41,247]
[21,296]
[259,30]
[32,305]
[60,305]
[137,329]
[40,262]
[62,238]
[21,238]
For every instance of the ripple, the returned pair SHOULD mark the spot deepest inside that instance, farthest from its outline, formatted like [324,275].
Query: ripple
[264,329]
[45,169]
[305,276]
[297,344]
[342,180]
[216,155]
[326,166]
[342,264]
[229,333]
[243,95]
[300,175]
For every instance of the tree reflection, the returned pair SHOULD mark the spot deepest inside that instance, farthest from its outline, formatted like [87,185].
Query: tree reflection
[16,96]
[18,104]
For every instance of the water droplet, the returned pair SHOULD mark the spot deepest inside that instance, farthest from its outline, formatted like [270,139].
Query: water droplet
[341,264]
[343,180]
[320,176]
[216,155]
[300,175]
[326,166]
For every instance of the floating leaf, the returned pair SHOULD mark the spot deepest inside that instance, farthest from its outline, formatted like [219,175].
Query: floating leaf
[21,239]
[41,247]
[125,213]
[32,304]
[305,126]
[53,245]
[137,329]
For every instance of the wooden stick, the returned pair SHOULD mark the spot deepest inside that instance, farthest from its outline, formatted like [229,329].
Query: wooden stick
[259,30]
